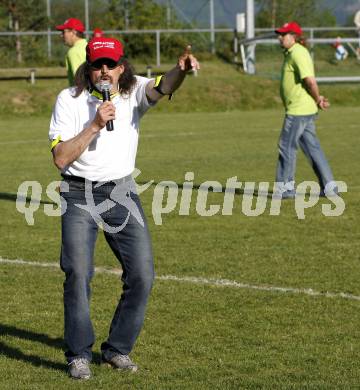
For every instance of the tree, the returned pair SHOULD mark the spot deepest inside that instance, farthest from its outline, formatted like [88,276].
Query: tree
[139,15]
[20,15]
[23,16]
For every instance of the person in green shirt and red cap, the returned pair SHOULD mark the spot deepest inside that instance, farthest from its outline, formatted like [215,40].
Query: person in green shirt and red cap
[301,98]
[72,33]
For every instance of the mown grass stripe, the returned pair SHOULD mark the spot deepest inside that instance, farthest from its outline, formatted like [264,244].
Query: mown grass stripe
[201,280]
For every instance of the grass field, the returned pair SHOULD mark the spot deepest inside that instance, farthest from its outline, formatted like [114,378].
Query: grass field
[198,334]
[220,87]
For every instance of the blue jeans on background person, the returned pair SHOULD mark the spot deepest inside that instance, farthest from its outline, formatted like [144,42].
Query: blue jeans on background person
[132,247]
[299,130]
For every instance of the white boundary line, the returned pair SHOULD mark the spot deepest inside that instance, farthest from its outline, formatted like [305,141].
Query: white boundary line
[200,280]
[180,134]
[156,135]
[144,134]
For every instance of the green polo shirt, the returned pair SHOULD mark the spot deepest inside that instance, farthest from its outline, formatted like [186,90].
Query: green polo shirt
[75,56]
[297,65]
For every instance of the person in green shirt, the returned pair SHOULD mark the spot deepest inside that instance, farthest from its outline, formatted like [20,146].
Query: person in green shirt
[301,98]
[72,33]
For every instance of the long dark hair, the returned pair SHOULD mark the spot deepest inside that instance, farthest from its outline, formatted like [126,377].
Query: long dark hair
[126,81]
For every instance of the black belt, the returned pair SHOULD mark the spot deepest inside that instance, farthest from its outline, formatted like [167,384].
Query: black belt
[80,179]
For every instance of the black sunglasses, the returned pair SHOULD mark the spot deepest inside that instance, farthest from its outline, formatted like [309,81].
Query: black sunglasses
[286,33]
[110,64]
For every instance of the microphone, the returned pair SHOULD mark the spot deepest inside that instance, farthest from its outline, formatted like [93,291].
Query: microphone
[105,87]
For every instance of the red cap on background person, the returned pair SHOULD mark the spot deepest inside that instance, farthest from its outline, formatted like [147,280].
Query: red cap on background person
[98,33]
[104,48]
[337,42]
[71,24]
[290,27]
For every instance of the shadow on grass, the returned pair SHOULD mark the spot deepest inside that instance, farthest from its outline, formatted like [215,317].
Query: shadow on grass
[17,354]
[13,198]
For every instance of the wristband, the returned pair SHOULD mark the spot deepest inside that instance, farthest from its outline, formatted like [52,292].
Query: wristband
[55,142]
[157,86]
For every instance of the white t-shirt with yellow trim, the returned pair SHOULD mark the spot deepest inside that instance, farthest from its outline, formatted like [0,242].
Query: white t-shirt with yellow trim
[111,155]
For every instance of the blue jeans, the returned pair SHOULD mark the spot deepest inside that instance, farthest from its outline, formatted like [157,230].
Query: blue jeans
[300,130]
[132,247]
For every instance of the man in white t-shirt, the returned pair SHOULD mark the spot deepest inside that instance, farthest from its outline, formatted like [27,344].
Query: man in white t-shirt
[96,163]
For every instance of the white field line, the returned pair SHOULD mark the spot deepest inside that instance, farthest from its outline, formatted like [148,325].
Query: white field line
[203,281]
[156,135]
[170,134]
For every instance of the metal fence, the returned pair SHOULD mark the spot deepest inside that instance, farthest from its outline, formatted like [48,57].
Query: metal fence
[246,47]
[208,35]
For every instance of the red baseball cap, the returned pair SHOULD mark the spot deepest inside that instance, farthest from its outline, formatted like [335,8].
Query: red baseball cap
[291,27]
[71,24]
[98,33]
[104,48]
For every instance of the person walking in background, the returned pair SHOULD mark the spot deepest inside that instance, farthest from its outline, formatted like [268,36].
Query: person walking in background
[301,98]
[341,53]
[96,165]
[72,33]
[98,33]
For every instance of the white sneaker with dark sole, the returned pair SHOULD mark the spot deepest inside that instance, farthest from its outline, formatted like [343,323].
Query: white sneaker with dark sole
[120,362]
[79,369]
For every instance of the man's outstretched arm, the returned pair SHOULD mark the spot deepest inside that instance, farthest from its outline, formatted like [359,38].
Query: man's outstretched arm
[172,80]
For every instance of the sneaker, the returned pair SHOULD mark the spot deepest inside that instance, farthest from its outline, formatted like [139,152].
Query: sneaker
[79,369]
[329,194]
[331,189]
[120,362]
